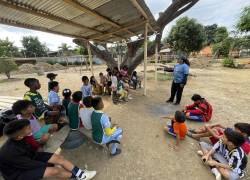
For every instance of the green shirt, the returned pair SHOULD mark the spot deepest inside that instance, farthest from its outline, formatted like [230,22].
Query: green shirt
[65,103]
[37,101]
[73,114]
[97,130]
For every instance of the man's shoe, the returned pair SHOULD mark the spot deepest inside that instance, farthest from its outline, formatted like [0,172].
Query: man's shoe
[169,101]
[87,175]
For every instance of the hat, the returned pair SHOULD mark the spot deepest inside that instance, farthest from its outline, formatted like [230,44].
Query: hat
[50,75]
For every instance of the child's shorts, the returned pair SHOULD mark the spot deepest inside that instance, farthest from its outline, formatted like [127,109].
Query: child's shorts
[171,130]
[44,130]
[37,173]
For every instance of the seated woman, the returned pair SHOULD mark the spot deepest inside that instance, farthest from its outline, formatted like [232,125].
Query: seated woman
[103,132]
[200,110]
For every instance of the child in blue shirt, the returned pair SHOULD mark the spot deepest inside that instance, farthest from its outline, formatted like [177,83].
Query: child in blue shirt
[53,98]
[86,88]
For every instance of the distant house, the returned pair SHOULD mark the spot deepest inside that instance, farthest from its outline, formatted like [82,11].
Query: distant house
[206,52]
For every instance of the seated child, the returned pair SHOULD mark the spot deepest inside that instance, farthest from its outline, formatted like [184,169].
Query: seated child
[104,83]
[215,132]
[66,99]
[19,161]
[42,110]
[121,89]
[109,82]
[86,112]
[124,73]
[96,87]
[200,110]
[177,128]
[226,158]
[86,87]
[102,130]
[53,97]
[73,110]
[51,77]
[134,80]
[24,109]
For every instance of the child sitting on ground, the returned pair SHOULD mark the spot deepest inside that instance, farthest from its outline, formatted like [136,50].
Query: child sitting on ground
[215,132]
[134,80]
[226,158]
[24,109]
[86,87]
[51,77]
[73,110]
[200,110]
[96,87]
[19,161]
[42,110]
[177,128]
[66,99]
[104,83]
[121,89]
[102,130]
[86,112]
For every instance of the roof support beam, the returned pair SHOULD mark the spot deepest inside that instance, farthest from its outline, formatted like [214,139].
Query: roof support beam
[140,9]
[136,24]
[40,13]
[95,14]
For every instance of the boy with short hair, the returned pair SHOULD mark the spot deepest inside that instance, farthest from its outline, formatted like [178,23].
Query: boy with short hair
[86,87]
[244,130]
[200,110]
[73,110]
[226,158]
[51,77]
[19,161]
[102,130]
[53,97]
[24,109]
[67,99]
[86,112]
[177,128]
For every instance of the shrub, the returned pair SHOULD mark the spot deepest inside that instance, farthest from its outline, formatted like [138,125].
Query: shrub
[7,65]
[51,62]
[228,62]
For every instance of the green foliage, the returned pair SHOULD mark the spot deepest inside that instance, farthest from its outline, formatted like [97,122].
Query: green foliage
[243,24]
[80,50]
[51,62]
[33,47]
[65,49]
[222,48]
[186,36]
[220,34]
[7,49]
[210,31]
[228,62]
[239,43]
[7,65]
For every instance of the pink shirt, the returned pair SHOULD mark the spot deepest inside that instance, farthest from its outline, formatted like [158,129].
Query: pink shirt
[35,126]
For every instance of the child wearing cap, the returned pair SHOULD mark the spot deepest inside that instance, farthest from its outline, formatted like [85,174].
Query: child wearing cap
[177,128]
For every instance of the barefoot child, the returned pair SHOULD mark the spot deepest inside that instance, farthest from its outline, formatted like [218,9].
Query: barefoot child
[177,128]
[19,161]
[102,130]
[200,110]
[24,109]
[226,158]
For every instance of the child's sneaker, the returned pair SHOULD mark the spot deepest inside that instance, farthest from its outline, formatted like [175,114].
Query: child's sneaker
[118,151]
[87,175]
[216,173]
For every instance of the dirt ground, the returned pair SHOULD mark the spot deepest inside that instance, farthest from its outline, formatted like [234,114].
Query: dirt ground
[145,147]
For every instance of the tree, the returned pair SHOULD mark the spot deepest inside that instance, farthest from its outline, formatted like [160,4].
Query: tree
[33,47]
[80,50]
[210,31]
[243,24]
[220,34]
[222,48]
[7,49]
[7,65]
[65,49]
[134,55]
[186,36]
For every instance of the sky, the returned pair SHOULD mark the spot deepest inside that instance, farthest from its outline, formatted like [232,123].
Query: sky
[207,12]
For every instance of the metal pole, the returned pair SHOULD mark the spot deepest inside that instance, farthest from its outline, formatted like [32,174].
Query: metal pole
[145,59]
[90,59]
[156,60]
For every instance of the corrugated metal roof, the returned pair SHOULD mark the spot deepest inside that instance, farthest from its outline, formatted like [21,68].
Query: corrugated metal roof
[71,18]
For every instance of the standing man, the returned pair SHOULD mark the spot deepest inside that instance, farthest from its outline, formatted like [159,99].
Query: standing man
[181,71]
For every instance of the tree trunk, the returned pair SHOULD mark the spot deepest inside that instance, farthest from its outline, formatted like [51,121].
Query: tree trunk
[7,74]
[133,58]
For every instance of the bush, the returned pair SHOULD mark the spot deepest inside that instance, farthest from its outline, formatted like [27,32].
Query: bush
[228,62]
[7,65]
[51,62]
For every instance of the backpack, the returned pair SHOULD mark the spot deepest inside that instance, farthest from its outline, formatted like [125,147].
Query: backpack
[6,116]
